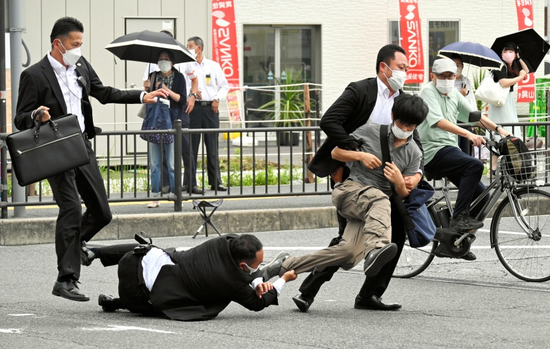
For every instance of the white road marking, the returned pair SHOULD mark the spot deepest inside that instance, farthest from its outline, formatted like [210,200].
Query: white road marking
[116,328]
[10,330]
[21,315]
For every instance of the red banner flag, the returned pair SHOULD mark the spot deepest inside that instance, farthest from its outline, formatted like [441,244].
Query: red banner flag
[225,51]
[411,39]
[224,39]
[526,87]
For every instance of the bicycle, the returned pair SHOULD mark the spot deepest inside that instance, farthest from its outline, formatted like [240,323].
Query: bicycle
[517,225]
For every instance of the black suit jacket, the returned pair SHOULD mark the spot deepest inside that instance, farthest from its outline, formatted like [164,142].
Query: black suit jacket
[204,280]
[350,111]
[39,87]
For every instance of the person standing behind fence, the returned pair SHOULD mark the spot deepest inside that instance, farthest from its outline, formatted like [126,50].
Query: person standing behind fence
[463,85]
[513,72]
[173,82]
[213,88]
[62,82]
[191,91]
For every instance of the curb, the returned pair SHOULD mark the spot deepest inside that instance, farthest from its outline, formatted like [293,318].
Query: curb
[29,231]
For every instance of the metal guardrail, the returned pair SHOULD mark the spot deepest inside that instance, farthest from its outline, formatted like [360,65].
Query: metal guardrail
[255,157]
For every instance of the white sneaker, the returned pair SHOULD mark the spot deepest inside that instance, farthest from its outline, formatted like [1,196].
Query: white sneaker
[153,204]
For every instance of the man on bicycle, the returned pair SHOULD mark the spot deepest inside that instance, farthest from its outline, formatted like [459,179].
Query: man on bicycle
[442,156]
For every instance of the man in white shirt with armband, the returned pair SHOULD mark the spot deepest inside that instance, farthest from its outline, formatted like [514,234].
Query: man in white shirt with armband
[196,284]
[213,88]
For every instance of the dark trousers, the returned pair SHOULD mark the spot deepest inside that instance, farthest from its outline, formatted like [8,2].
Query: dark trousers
[375,285]
[130,282]
[189,162]
[464,172]
[73,227]
[464,143]
[204,117]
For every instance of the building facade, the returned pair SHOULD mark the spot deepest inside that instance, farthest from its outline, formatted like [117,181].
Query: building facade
[330,43]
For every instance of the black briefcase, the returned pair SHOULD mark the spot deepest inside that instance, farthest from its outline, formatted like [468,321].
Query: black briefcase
[48,149]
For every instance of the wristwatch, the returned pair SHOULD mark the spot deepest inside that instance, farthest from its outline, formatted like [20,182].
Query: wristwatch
[194,95]
[497,127]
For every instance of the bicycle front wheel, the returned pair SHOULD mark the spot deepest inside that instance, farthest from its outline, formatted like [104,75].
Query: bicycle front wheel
[525,255]
[413,260]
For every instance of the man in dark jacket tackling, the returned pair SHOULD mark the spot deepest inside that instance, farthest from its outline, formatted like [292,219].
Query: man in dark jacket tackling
[366,100]
[196,284]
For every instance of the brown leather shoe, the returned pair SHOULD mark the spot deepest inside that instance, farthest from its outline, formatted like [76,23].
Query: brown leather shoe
[374,303]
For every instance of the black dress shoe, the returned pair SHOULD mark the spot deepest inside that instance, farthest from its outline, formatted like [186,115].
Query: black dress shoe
[469,256]
[374,303]
[302,302]
[69,289]
[377,258]
[109,303]
[219,188]
[194,189]
[197,190]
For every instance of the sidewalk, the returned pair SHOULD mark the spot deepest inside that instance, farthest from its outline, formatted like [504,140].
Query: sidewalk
[235,215]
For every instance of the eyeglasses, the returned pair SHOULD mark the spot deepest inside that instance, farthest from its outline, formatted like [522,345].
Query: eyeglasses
[446,76]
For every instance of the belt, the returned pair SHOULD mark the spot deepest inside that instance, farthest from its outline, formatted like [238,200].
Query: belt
[204,103]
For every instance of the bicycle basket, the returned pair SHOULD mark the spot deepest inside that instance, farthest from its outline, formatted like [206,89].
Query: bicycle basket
[529,166]
[517,160]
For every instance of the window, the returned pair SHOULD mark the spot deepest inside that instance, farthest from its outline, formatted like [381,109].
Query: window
[441,34]
[270,53]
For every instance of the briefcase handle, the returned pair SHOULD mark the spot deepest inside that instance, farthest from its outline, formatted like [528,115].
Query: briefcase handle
[53,125]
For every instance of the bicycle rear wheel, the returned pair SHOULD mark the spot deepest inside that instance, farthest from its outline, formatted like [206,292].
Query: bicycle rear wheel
[413,260]
[526,256]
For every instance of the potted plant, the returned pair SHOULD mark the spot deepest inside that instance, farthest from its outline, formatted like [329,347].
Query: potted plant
[290,105]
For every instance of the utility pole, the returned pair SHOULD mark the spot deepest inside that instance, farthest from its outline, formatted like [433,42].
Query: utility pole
[16,41]
[3,152]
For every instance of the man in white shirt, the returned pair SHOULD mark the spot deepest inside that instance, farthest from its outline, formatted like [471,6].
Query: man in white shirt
[196,284]
[62,83]
[213,88]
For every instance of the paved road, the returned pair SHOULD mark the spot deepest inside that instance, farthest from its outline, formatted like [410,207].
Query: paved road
[453,304]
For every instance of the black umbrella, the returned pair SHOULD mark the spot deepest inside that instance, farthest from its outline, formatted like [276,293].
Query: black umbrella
[472,53]
[530,45]
[147,45]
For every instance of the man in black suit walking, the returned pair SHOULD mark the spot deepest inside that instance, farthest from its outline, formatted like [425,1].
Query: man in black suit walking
[368,99]
[62,83]
[196,284]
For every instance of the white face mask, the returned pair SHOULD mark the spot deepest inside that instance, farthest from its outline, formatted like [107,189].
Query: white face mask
[192,51]
[165,66]
[397,79]
[445,86]
[251,270]
[508,57]
[70,57]
[399,133]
